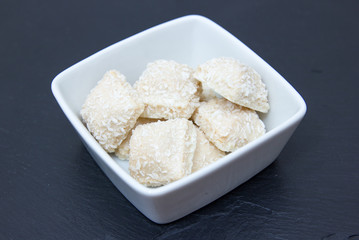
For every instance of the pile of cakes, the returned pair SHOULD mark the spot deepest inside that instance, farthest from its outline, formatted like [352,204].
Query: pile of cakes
[176,120]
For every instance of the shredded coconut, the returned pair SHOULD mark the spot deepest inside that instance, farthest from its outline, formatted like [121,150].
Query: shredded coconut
[206,153]
[148,125]
[165,150]
[111,110]
[234,81]
[227,125]
[123,151]
[168,90]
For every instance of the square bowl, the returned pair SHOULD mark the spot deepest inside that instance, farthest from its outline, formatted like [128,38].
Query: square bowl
[192,40]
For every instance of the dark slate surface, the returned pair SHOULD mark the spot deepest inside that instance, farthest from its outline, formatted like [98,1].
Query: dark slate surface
[50,187]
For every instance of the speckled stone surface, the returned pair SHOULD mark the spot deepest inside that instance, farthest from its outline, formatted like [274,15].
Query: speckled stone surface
[51,188]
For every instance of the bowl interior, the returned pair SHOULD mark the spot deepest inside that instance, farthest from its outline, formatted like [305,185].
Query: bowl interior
[191,40]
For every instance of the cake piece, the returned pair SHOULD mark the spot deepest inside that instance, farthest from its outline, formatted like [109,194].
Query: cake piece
[206,93]
[227,125]
[206,153]
[162,152]
[234,81]
[123,151]
[111,110]
[168,90]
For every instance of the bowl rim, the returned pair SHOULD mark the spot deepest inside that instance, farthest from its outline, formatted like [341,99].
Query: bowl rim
[181,183]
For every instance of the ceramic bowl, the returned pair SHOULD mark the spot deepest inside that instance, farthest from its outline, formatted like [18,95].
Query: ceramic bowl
[191,40]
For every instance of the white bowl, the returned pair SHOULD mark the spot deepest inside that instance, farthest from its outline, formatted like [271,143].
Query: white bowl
[192,40]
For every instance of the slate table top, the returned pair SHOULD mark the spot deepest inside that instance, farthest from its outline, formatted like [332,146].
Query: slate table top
[51,188]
